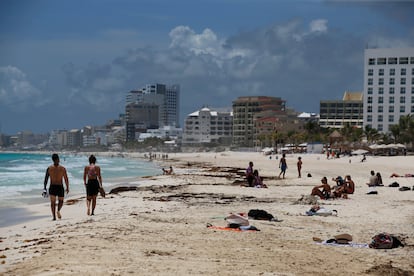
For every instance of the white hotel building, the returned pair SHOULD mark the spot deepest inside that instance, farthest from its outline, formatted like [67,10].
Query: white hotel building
[388,86]
[208,126]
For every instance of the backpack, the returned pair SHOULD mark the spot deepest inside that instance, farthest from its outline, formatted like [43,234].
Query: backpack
[385,241]
[394,184]
[259,214]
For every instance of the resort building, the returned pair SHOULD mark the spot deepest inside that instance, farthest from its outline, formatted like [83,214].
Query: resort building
[388,86]
[153,102]
[246,110]
[208,126]
[339,113]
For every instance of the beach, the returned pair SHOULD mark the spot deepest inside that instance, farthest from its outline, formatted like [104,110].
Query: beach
[160,228]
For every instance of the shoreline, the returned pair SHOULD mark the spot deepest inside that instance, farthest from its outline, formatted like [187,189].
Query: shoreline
[161,227]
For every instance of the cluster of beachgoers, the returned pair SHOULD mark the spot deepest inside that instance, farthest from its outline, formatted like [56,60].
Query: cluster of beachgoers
[174,223]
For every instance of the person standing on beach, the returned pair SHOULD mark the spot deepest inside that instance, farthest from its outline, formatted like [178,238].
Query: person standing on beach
[92,174]
[282,165]
[56,173]
[299,164]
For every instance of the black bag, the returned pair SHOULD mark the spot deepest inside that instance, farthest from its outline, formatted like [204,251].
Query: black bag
[394,184]
[260,214]
[385,241]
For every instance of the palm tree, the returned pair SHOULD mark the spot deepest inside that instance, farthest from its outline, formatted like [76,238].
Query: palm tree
[396,133]
[371,134]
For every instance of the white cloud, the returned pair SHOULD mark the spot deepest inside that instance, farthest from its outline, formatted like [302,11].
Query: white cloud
[319,26]
[204,43]
[17,91]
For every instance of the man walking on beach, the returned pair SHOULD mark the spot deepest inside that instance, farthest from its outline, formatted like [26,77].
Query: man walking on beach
[56,173]
[282,166]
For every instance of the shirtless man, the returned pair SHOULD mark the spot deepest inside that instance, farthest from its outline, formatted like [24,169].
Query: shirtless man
[282,166]
[56,172]
[348,188]
[325,193]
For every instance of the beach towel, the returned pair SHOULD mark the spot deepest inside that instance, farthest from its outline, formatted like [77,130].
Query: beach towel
[321,211]
[249,228]
[350,244]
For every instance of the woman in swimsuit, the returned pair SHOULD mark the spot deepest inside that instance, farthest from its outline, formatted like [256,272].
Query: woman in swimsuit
[93,181]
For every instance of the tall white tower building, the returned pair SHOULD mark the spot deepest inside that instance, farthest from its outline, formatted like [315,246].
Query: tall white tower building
[388,86]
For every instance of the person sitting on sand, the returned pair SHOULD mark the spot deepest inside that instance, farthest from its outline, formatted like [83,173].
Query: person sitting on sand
[257,181]
[325,193]
[348,187]
[379,179]
[372,180]
[249,174]
[339,181]
[169,171]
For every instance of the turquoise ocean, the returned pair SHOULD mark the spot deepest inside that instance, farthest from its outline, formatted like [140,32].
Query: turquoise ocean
[22,174]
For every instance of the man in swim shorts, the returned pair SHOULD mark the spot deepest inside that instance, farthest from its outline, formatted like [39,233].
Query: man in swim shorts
[57,174]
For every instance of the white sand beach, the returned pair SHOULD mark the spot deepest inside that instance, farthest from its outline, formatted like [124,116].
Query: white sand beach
[161,228]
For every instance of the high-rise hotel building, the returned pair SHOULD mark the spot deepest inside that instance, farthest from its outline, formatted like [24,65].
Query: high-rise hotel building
[153,106]
[388,86]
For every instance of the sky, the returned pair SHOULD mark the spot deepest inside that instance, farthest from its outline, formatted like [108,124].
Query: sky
[69,64]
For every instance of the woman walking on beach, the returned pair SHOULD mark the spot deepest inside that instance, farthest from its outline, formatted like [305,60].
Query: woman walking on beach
[92,174]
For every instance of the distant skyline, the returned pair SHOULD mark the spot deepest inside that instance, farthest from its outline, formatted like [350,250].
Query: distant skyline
[67,64]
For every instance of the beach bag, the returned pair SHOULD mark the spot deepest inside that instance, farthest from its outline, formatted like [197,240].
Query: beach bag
[394,184]
[382,241]
[343,238]
[260,214]
[236,220]
[102,191]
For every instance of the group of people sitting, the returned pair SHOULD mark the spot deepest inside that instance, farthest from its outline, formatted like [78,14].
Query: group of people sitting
[375,179]
[342,189]
[253,177]
[168,171]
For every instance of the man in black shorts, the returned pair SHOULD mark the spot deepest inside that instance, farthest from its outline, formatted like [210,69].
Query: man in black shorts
[56,173]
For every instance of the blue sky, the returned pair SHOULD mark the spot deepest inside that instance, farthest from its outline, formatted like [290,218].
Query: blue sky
[67,64]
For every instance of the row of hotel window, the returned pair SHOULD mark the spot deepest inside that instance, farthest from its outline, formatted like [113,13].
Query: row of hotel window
[381,72]
[403,81]
[391,60]
[210,133]
[211,128]
[391,119]
[391,99]
[188,122]
[390,109]
[391,90]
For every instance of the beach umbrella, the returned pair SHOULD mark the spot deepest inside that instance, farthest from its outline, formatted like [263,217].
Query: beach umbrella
[359,152]
[374,146]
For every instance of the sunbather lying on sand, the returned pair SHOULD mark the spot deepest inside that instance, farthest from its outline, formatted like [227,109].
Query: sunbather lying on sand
[405,175]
